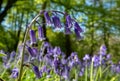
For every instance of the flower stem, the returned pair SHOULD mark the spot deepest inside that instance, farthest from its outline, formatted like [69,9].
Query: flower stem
[3,73]
[22,53]
[76,75]
[100,67]
[91,71]
[86,73]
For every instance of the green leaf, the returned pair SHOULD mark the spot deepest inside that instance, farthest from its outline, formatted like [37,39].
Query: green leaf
[113,78]
[1,54]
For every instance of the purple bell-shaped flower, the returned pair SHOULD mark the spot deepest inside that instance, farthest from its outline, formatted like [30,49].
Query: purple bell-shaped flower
[56,22]
[69,21]
[47,18]
[36,71]
[15,73]
[41,33]
[32,37]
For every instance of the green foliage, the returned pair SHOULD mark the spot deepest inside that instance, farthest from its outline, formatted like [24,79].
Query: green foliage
[1,54]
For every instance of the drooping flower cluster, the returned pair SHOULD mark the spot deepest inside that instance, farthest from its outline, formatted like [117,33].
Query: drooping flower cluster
[52,18]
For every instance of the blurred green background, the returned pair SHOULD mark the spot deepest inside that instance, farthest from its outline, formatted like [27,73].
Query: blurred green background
[99,19]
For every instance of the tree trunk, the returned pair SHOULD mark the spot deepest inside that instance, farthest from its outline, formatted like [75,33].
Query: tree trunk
[67,37]
[68,45]
[43,21]
[19,32]
[8,6]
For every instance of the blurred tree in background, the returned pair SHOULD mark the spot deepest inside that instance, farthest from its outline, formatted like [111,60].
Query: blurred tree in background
[98,18]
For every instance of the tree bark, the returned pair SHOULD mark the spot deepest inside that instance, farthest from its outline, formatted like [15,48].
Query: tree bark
[68,45]
[19,32]
[67,37]
[8,6]
[1,4]
[43,21]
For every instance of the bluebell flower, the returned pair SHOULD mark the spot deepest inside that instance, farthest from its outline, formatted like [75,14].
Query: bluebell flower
[77,34]
[67,29]
[47,18]
[30,51]
[73,60]
[40,56]
[56,62]
[58,66]
[15,73]
[77,27]
[28,43]
[12,55]
[118,69]
[110,62]
[56,22]
[108,56]
[65,72]
[35,51]
[26,57]
[48,71]
[113,67]
[32,37]
[41,33]
[96,60]
[74,57]
[69,21]
[86,57]
[71,64]
[57,51]
[2,52]
[77,30]
[5,59]
[6,65]
[36,71]
[48,76]
[86,60]
[81,73]
[46,44]
[49,59]
[103,50]
[50,50]
[41,73]
[44,68]
[64,61]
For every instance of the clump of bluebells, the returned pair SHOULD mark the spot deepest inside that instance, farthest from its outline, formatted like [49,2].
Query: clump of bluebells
[48,61]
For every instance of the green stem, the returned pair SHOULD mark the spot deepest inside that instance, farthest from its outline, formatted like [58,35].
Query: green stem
[86,73]
[91,71]
[76,75]
[100,67]
[22,53]
[106,69]
[97,75]
[23,74]
[60,78]
[3,73]
[100,71]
